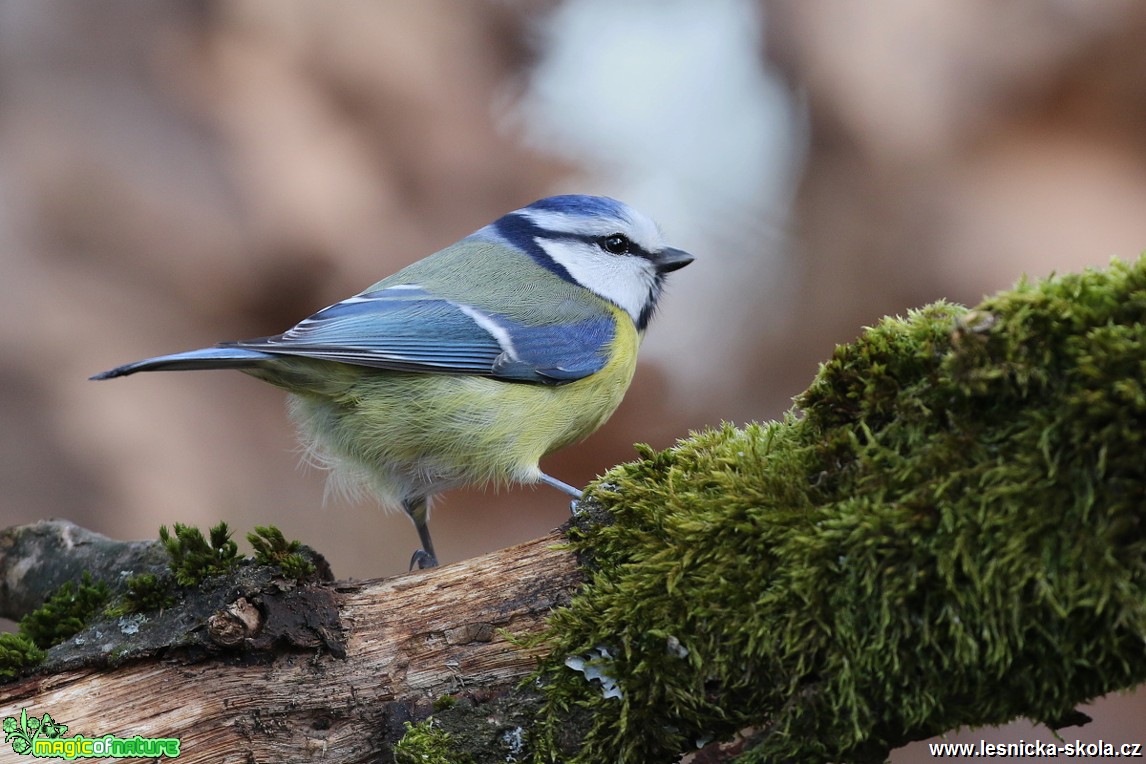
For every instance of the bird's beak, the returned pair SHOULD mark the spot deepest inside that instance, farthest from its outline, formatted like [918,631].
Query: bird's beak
[671,259]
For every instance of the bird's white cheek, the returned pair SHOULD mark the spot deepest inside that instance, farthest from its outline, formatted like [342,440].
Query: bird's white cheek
[623,281]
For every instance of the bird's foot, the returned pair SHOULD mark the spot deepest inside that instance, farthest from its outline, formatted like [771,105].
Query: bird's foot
[422,560]
[575,508]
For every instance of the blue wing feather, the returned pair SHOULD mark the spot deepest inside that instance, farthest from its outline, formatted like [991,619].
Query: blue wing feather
[407,328]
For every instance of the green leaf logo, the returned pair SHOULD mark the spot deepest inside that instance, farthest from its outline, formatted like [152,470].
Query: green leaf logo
[21,732]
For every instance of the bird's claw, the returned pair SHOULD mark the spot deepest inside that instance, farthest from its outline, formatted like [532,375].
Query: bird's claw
[422,560]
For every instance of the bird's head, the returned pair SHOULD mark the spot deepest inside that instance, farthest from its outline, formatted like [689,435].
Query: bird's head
[599,243]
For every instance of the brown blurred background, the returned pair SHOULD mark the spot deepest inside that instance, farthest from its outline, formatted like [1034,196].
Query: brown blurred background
[177,173]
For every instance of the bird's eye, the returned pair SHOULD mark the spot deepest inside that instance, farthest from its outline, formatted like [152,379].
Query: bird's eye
[616,244]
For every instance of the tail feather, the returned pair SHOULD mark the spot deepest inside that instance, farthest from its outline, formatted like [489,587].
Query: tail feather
[207,358]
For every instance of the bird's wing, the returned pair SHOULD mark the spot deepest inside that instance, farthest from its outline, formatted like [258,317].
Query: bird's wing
[407,328]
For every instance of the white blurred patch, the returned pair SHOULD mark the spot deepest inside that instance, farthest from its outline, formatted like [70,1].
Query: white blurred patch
[670,106]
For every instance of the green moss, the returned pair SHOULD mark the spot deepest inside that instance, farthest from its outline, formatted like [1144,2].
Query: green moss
[17,653]
[65,612]
[192,558]
[444,702]
[427,743]
[950,530]
[145,592]
[195,558]
[272,548]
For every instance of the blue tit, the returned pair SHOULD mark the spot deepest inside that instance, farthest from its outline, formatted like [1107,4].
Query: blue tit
[470,365]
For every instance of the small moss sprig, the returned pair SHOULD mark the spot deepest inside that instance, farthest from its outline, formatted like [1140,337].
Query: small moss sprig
[427,743]
[272,548]
[145,592]
[195,558]
[65,612]
[17,653]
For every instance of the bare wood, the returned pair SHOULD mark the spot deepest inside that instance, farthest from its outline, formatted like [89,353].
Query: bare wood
[410,639]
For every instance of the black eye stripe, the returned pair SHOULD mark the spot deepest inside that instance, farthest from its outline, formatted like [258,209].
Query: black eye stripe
[633,249]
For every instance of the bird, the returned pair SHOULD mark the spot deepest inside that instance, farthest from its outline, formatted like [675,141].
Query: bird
[470,365]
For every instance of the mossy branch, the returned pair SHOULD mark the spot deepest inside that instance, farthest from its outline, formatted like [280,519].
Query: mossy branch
[949,530]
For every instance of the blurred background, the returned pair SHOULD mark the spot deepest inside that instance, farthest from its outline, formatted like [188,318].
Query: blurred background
[178,172]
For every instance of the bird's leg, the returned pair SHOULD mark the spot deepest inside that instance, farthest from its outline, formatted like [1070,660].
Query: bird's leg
[564,488]
[418,508]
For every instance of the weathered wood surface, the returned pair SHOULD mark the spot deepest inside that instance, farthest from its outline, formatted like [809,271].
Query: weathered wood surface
[409,640]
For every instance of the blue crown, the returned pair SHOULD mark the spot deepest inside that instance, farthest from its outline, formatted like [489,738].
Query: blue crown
[522,233]
[580,204]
